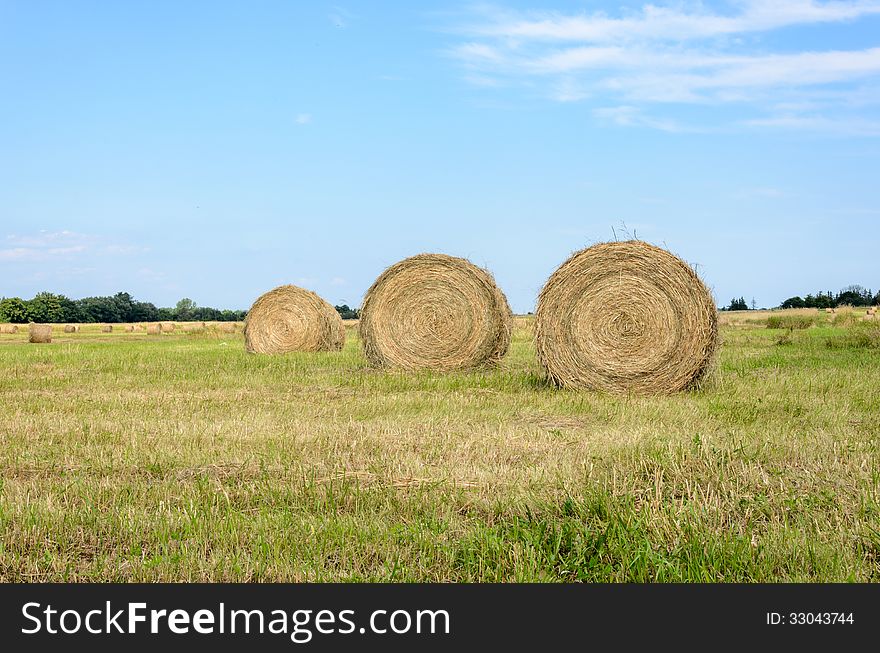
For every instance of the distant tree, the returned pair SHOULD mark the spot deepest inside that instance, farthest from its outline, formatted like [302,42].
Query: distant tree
[99,309]
[794,302]
[143,312]
[876,300]
[46,307]
[738,305]
[854,295]
[347,313]
[184,309]
[754,304]
[165,314]
[13,309]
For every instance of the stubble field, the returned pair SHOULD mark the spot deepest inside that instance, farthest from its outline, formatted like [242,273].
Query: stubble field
[179,457]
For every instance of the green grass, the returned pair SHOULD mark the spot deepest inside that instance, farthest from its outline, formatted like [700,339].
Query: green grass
[127,457]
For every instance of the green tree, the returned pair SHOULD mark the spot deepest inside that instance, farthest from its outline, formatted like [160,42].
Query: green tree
[184,309]
[46,307]
[13,309]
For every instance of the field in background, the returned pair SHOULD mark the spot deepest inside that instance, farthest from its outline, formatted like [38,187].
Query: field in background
[129,457]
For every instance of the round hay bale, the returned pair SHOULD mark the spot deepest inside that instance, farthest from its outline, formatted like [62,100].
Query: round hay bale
[625,317]
[227,327]
[193,326]
[40,333]
[434,311]
[829,310]
[8,328]
[290,318]
[129,328]
[71,328]
[107,328]
[154,329]
[167,327]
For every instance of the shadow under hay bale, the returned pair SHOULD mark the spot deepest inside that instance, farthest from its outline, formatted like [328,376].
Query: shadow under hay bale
[289,318]
[434,311]
[40,333]
[626,317]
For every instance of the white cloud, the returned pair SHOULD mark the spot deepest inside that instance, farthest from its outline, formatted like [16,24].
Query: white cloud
[662,55]
[58,245]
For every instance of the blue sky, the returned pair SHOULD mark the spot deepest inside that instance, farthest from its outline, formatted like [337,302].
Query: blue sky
[215,150]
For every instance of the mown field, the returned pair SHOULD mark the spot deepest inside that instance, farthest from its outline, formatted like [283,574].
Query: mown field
[179,457]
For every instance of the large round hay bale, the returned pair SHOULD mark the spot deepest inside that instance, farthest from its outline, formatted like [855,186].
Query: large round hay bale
[8,328]
[154,329]
[40,333]
[107,328]
[290,318]
[434,311]
[626,317]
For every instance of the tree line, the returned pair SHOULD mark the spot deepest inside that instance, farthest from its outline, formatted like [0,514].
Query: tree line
[121,307]
[854,295]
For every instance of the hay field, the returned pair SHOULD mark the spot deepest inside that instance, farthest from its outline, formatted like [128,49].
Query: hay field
[129,457]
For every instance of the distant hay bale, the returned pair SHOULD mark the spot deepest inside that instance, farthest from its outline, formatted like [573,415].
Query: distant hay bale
[137,327]
[626,317]
[71,328]
[829,310]
[107,328]
[227,327]
[167,327]
[8,328]
[40,333]
[434,311]
[129,328]
[154,329]
[193,326]
[289,318]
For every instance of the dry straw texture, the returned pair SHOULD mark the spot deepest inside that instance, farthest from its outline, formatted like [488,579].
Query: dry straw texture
[154,329]
[107,328]
[434,311]
[626,317]
[227,327]
[167,327]
[129,328]
[8,328]
[40,333]
[71,328]
[290,318]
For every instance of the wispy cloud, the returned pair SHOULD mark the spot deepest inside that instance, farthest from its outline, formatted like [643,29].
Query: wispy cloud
[664,55]
[58,246]
[303,118]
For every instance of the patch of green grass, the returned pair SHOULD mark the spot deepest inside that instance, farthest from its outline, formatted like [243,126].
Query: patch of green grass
[791,321]
[126,457]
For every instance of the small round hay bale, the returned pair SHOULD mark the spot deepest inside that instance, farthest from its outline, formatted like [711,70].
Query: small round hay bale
[289,318]
[71,328]
[626,317]
[8,328]
[434,311]
[167,327]
[154,329]
[193,327]
[107,328]
[40,333]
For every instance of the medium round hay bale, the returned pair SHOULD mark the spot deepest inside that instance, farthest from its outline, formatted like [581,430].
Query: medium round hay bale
[193,326]
[434,311]
[8,328]
[154,329]
[40,333]
[167,327]
[290,318]
[625,316]
[107,328]
[71,328]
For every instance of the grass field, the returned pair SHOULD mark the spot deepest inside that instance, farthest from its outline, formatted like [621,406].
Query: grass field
[127,457]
